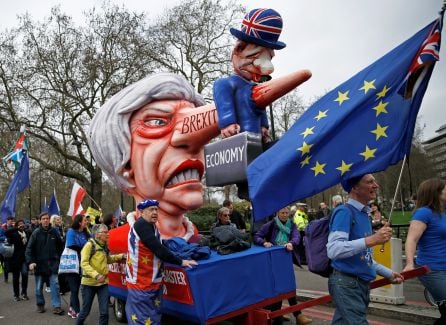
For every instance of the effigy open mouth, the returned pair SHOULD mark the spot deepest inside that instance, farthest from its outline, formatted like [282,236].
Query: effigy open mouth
[190,171]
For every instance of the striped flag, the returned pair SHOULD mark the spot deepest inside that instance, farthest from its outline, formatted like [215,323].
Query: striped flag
[77,194]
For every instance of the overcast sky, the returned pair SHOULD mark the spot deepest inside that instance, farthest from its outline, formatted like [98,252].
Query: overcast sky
[335,39]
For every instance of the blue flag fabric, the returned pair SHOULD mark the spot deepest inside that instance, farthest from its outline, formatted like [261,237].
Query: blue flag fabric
[53,208]
[19,183]
[362,126]
[118,212]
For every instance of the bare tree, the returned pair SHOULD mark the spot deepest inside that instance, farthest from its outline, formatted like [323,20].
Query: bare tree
[286,111]
[54,75]
[193,39]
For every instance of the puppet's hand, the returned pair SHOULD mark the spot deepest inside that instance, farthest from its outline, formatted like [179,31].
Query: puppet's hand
[230,130]
[265,135]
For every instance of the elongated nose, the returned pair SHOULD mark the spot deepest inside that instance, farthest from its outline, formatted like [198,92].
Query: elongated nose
[195,127]
[267,92]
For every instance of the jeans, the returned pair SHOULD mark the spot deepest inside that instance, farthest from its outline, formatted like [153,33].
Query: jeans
[435,282]
[351,296]
[88,293]
[54,285]
[16,280]
[74,282]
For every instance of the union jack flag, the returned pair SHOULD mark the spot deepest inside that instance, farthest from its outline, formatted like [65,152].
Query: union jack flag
[427,55]
[429,51]
[256,22]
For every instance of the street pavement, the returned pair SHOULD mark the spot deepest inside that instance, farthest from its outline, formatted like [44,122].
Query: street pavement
[415,311]
[24,312]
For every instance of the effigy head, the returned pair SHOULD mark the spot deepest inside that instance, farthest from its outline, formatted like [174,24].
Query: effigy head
[258,37]
[110,134]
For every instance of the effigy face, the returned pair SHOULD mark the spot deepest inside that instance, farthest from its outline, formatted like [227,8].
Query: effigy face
[149,138]
[252,61]
[167,165]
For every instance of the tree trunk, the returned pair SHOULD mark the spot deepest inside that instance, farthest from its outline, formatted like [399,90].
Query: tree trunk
[95,190]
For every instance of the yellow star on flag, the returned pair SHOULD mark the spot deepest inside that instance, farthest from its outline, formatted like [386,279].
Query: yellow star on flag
[134,318]
[148,322]
[344,167]
[318,168]
[380,131]
[367,86]
[308,131]
[145,259]
[380,108]
[304,162]
[368,153]
[157,302]
[305,148]
[382,93]
[342,97]
[321,115]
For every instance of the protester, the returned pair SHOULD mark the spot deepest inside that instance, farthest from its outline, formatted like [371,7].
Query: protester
[323,211]
[282,231]
[349,247]
[427,237]
[144,280]
[235,216]
[94,259]
[223,219]
[109,220]
[17,263]
[9,223]
[336,200]
[377,218]
[34,223]
[2,258]
[57,223]
[301,221]
[42,254]
[77,237]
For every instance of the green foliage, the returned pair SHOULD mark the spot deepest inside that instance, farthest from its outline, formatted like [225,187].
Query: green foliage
[400,217]
[204,217]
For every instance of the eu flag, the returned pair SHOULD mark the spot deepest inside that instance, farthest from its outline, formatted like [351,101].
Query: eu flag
[53,207]
[18,185]
[362,126]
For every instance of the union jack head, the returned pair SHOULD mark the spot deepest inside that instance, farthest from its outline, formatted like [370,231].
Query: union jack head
[262,27]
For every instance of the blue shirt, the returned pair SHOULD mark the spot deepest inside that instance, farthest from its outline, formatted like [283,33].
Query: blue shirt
[432,243]
[346,242]
[233,100]
[75,239]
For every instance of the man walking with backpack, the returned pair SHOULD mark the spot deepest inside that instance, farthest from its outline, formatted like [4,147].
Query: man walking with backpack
[349,247]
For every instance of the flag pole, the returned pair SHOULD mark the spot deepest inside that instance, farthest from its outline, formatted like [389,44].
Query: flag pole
[396,193]
[93,200]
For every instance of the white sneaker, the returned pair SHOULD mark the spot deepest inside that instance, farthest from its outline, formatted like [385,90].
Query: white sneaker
[48,289]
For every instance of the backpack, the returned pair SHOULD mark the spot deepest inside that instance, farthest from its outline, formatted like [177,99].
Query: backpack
[315,241]
[94,250]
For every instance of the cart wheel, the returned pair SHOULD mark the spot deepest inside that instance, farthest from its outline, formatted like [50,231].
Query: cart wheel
[119,310]
[429,298]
